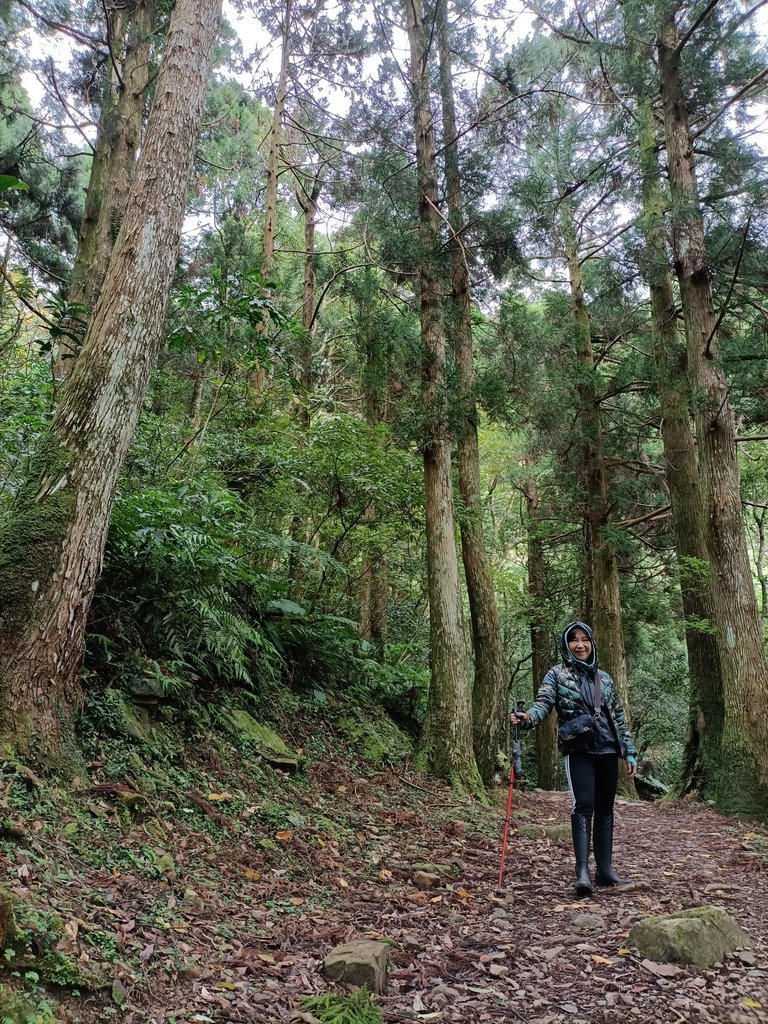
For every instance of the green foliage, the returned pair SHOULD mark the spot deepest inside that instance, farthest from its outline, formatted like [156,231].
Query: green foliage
[179,591]
[20,1008]
[43,208]
[330,1008]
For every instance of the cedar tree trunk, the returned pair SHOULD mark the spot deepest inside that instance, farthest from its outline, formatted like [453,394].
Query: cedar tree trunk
[604,571]
[743,783]
[445,747]
[488,694]
[118,138]
[702,754]
[52,548]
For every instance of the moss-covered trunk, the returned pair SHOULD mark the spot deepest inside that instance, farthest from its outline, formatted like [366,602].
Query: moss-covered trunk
[547,755]
[604,570]
[445,747]
[702,754]
[489,691]
[51,551]
[743,785]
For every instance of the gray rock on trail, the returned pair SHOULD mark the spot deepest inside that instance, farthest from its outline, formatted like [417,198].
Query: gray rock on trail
[559,833]
[426,879]
[701,937]
[363,962]
[588,924]
[532,832]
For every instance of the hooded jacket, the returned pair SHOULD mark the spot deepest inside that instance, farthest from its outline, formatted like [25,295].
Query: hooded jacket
[570,688]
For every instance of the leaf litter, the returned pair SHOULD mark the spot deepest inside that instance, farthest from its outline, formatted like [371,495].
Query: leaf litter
[226,919]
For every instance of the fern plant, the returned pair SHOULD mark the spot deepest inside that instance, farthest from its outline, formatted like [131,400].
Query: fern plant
[179,596]
[17,1008]
[331,1008]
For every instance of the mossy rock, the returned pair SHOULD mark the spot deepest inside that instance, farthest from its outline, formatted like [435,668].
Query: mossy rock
[558,833]
[264,740]
[532,831]
[122,719]
[437,869]
[29,939]
[701,937]
[377,740]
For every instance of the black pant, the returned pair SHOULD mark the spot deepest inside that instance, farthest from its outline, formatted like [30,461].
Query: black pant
[592,780]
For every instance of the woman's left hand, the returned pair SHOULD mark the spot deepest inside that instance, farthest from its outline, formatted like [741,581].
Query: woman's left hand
[631,767]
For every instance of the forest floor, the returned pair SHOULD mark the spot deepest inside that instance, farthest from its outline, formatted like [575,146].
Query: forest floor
[220,921]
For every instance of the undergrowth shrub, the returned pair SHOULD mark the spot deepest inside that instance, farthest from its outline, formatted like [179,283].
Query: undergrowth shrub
[179,596]
[186,604]
[17,1008]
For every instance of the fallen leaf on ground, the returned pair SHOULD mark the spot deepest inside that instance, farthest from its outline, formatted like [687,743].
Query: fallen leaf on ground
[661,970]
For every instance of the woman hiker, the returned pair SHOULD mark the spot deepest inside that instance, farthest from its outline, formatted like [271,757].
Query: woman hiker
[592,736]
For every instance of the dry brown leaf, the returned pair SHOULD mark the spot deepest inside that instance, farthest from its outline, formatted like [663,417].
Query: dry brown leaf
[661,970]
[285,836]
[417,897]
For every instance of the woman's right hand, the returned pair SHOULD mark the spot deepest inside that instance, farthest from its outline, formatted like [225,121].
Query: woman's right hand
[520,718]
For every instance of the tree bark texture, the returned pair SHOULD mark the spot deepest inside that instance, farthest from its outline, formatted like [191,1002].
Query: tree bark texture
[375,574]
[308,202]
[118,138]
[52,549]
[743,784]
[605,593]
[445,747]
[702,753]
[275,145]
[547,755]
[604,572]
[489,690]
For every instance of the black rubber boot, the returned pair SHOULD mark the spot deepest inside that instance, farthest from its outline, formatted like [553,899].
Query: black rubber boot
[580,828]
[603,847]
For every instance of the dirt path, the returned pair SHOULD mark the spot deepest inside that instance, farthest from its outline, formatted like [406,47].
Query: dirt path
[233,926]
[468,956]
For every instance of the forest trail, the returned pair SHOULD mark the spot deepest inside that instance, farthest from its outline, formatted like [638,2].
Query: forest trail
[230,927]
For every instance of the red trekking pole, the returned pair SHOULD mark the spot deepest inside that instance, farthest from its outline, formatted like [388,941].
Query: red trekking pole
[515,770]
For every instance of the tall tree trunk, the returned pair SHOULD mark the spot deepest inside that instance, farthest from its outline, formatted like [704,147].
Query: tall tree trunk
[743,784]
[118,138]
[604,592]
[604,572]
[759,518]
[445,747]
[489,692]
[374,584]
[547,756]
[702,753]
[275,145]
[308,203]
[51,550]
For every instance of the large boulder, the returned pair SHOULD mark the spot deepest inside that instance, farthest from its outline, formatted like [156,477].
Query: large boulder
[361,962]
[701,937]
